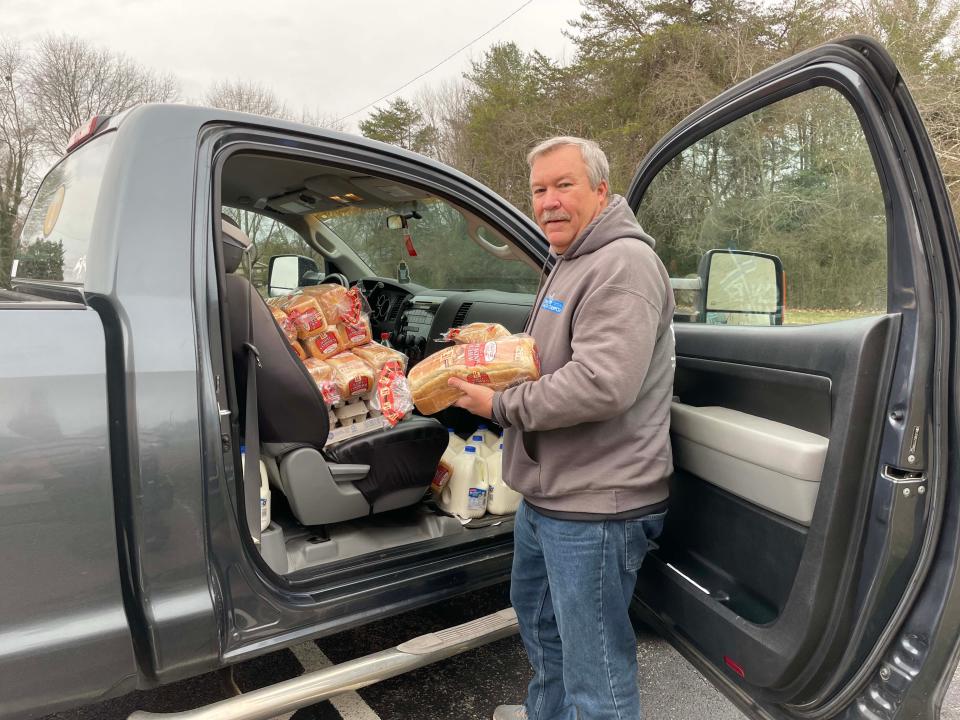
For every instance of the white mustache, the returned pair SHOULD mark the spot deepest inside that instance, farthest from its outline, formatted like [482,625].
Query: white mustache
[551,215]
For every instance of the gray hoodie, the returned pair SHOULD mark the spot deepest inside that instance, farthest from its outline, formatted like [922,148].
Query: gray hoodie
[592,435]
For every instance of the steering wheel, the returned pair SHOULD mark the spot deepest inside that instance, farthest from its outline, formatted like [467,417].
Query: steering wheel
[337,278]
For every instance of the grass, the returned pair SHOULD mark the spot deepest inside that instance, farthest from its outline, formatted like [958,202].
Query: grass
[812,316]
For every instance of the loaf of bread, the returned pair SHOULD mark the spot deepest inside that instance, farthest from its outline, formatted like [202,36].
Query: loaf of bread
[305,312]
[337,302]
[356,334]
[326,344]
[326,379]
[298,349]
[353,376]
[477,332]
[377,355]
[285,323]
[497,364]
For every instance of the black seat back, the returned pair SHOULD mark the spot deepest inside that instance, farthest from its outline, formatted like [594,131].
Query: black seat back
[290,407]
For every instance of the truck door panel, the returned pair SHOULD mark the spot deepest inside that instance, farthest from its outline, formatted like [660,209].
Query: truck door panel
[760,553]
[795,591]
[65,639]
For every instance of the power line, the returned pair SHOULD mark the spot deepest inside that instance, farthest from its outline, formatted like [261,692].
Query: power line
[427,72]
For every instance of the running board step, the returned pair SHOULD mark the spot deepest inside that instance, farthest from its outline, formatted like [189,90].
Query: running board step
[290,695]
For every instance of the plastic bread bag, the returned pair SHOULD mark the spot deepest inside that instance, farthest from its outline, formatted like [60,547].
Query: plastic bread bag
[326,344]
[353,376]
[285,323]
[298,349]
[358,333]
[475,333]
[377,355]
[337,302]
[325,378]
[391,396]
[496,364]
[305,312]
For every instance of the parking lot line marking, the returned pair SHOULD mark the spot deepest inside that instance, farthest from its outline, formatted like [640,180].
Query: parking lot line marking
[349,704]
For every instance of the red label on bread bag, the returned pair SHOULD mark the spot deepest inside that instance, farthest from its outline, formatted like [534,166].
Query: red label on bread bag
[473,354]
[352,314]
[327,342]
[478,378]
[359,385]
[310,320]
[356,333]
[440,478]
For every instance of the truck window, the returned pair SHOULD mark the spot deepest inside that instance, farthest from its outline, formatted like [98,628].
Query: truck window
[270,237]
[56,234]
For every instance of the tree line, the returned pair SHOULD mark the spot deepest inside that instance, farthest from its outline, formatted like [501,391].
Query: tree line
[793,180]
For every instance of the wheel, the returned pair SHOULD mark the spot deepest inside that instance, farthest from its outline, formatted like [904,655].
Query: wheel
[337,278]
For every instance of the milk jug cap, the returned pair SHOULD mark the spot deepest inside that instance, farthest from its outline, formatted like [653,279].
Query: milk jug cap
[470,449]
[481,426]
[501,446]
[477,437]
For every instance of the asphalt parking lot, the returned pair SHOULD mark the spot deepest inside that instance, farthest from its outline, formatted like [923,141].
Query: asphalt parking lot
[465,687]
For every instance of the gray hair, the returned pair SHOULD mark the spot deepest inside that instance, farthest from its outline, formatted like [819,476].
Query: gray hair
[598,169]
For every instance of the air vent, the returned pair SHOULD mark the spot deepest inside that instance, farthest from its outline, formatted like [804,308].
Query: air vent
[394,309]
[461,315]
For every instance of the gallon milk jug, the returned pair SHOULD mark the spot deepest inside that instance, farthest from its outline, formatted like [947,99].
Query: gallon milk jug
[264,498]
[264,489]
[466,492]
[501,499]
[483,450]
[484,432]
[454,442]
[493,440]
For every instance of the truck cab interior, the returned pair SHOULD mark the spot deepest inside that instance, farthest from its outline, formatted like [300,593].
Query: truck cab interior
[365,495]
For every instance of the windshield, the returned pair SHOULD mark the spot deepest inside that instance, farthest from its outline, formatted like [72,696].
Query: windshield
[434,250]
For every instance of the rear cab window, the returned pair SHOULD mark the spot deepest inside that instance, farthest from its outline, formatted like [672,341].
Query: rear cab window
[56,233]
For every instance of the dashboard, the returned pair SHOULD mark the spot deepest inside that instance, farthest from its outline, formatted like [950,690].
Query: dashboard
[414,317]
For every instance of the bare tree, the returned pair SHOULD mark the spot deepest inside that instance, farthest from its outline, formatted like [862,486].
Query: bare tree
[321,119]
[71,81]
[444,106]
[18,139]
[245,96]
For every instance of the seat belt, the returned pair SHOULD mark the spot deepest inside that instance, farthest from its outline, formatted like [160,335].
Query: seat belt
[251,429]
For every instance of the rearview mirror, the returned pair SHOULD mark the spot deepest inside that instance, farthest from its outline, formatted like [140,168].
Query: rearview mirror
[741,287]
[288,272]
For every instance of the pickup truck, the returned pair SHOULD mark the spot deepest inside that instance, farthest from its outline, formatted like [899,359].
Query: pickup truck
[809,563]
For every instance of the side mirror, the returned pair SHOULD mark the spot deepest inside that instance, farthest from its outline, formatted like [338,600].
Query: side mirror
[288,272]
[741,287]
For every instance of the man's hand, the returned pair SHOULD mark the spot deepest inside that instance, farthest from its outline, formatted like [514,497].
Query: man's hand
[476,398]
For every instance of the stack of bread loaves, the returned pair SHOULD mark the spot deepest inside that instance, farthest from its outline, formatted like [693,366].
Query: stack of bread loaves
[351,371]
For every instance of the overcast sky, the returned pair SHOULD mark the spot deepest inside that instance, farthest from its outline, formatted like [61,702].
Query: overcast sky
[329,57]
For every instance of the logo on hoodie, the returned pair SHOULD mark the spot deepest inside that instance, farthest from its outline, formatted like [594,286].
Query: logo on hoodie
[553,305]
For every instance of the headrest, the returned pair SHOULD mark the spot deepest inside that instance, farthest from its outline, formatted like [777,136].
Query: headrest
[235,244]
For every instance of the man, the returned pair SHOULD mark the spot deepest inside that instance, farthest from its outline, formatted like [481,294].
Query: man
[588,443]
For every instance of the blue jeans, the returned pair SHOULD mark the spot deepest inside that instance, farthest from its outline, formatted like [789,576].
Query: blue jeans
[571,587]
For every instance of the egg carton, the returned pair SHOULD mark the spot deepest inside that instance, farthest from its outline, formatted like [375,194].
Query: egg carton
[352,411]
[356,429]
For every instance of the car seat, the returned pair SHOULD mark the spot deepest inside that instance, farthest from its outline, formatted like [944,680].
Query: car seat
[383,470]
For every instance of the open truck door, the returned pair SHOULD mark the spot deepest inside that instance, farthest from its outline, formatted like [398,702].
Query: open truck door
[808,564]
